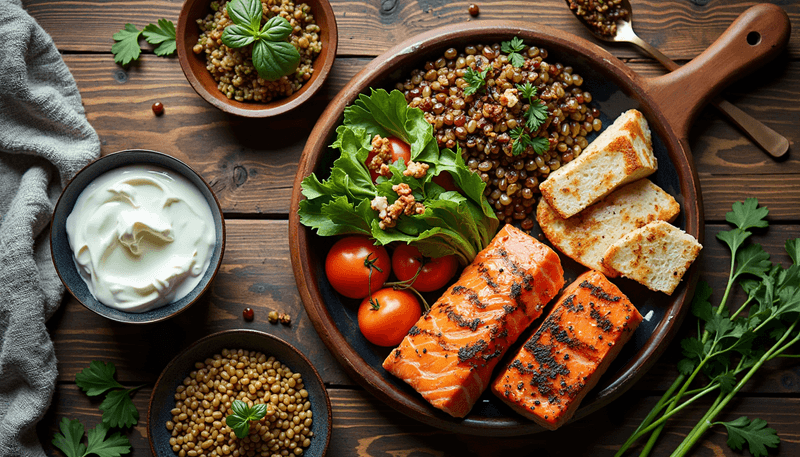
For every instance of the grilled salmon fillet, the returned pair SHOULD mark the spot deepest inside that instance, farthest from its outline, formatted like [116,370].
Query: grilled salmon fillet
[449,355]
[565,358]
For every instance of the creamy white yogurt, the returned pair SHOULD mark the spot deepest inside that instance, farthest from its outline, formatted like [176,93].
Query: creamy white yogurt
[141,236]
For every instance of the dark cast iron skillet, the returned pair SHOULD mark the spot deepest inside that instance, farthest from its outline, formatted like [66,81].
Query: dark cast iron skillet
[670,103]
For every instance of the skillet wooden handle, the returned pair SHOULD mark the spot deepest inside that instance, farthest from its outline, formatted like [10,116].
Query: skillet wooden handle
[754,38]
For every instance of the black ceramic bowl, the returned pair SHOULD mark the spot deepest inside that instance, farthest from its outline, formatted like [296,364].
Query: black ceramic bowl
[62,253]
[162,399]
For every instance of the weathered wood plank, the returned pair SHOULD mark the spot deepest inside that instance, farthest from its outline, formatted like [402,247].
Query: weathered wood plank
[363,426]
[680,29]
[256,273]
[251,163]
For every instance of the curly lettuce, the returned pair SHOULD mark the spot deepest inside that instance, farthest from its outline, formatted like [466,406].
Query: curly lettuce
[454,222]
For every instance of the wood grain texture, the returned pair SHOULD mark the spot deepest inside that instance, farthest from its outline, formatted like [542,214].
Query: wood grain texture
[680,29]
[250,164]
[363,426]
[256,273]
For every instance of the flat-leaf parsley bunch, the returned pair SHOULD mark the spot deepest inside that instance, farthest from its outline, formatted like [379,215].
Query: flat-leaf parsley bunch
[273,56]
[733,343]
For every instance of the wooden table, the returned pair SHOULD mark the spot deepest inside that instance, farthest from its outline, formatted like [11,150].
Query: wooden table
[251,164]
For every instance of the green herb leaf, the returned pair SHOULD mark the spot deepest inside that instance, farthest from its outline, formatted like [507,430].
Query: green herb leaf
[97,378]
[513,48]
[118,409]
[475,79]
[686,366]
[692,348]
[69,440]
[237,36]
[793,249]
[752,260]
[277,28]
[460,223]
[733,238]
[701,307]
[239,421]
[527,90]
[246,13]
[162,34]
[274,59]
[540,145]
[126,48]
[747,215]
[113,446]
[756,434]
[536,115]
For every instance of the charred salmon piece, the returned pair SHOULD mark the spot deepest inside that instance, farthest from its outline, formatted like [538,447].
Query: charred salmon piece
[565,358]
[449,355]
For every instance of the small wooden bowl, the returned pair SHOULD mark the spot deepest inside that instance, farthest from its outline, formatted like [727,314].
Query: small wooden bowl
[61,251]
[194,66]
[162,399]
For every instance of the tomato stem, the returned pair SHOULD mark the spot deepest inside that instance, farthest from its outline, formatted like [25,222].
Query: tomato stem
[370,264]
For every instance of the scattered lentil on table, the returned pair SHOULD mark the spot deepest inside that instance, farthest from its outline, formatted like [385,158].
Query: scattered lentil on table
[233,69]
[248,314]
[480,123]
[600,15]
[203,401]
[158,108]
[474,10]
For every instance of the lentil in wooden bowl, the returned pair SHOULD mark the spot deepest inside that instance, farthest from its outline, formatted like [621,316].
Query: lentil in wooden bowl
[226,78]
[192,398]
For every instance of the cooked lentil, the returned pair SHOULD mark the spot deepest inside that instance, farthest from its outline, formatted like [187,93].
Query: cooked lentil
[600,15]
[204,400]
[233,69]
[480,124]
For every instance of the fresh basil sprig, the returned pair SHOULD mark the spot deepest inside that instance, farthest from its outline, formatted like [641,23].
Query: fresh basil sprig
[239,421]
[273,56]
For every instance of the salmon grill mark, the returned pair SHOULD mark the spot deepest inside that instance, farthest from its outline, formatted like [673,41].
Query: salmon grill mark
[470,294]
[509,309]
[527,280]
[462,322]
[397,354]
[570,304]
[470,352]
[484,272]
[602,322]
[599,292]
[413,331]
[516,293]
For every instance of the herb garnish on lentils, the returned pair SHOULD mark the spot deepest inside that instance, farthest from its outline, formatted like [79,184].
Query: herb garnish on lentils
[273,56]
[481,115]
[732,344]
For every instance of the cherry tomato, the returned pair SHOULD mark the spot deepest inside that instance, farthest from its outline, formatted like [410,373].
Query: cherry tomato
[435,273]
[397,311]
[445,180]
[349,263]
[400,150]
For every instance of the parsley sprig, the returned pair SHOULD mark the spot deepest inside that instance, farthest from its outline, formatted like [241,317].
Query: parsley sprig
[273,56]
[126,47]
[513,48]
[475,79]
[118,412]
[537,112]
[239,420]
[523,141]
[732,344]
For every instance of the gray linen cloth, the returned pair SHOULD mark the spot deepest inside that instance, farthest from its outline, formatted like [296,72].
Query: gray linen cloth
[44,140]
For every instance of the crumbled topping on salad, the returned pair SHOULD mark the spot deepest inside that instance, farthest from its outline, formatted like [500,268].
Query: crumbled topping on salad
[383,156]
[405,204]
[416,169]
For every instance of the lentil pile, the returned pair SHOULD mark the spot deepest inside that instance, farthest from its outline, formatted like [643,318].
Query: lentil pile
[204,400]
[233,69]
[480,123]
[600,15]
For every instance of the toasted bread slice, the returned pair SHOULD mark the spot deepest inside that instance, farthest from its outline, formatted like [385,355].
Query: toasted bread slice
[656,255]
[623,153]
[586,236]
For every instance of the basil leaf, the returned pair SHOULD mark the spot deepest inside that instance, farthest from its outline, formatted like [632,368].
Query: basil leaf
[274,59]
[276,29]
[236,36]
[246,13]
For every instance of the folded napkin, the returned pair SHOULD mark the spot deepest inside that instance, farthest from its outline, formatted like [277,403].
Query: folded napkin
[44,140]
